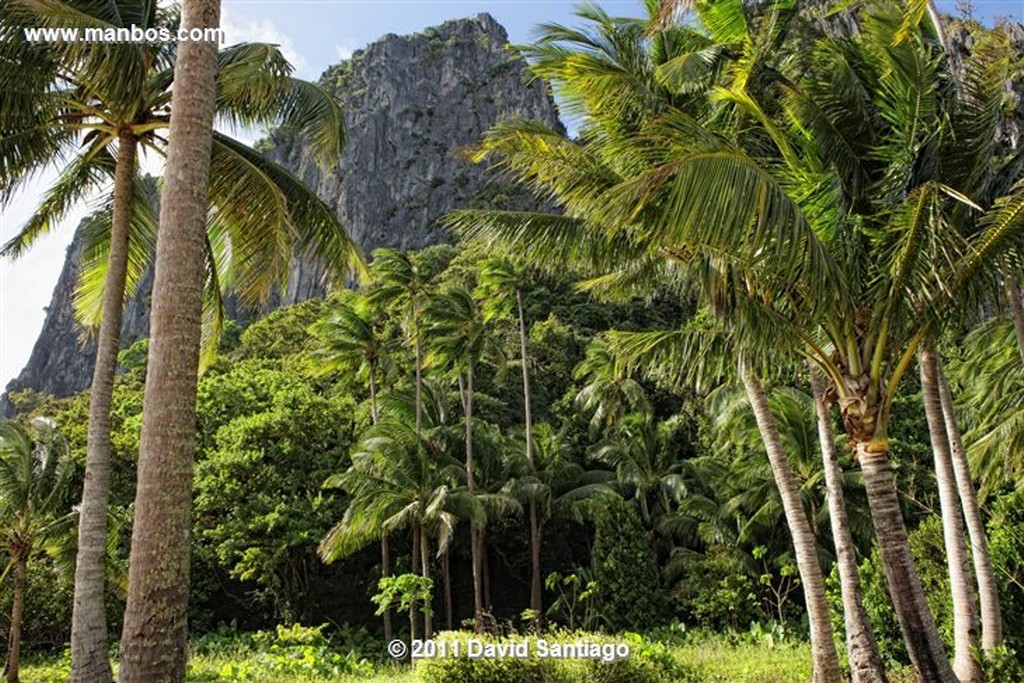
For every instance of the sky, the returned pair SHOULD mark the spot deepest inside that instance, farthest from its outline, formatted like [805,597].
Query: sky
[313,34]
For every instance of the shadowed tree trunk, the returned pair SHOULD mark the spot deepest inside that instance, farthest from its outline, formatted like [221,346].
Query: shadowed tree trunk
[428,622]
[385,570]
[862,649]
[90,661]
[13,667]
[154,638]
[447,577]
[823,649]
[961,582]
[988,590]
[475,534]
[414,607]
[536,587]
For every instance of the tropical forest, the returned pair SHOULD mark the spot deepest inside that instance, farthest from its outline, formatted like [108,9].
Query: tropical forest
[682,341]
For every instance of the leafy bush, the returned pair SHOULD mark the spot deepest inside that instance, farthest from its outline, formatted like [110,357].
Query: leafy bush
[647,662]
[627,592]
[298,651]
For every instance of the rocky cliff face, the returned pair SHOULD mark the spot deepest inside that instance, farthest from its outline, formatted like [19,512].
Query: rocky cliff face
[411,104]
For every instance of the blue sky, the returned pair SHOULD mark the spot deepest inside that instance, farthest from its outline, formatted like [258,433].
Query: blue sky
[313,34]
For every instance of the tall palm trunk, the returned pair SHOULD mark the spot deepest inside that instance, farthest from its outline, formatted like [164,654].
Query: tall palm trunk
[823,649]
[446,572]
[419,371]
[474,531]
[916,621]
[862,649]
[154,638]
[90,662]
[414,606]
[536,595]
[988,591]
[17,610]
[428,622]
[961,582]
[385,550]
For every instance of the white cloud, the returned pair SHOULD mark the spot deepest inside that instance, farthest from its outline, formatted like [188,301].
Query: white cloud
[344,50]
[238,29]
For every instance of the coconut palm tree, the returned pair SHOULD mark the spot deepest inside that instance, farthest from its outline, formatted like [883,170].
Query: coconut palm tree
[609,393]
[460,339]
[399,280]
[500,284]
[842,231]
[34,511]
[102,113]
[154,637]
[352,340]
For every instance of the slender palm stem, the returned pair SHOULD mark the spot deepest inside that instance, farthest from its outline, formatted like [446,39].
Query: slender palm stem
[965,608]
[865,662]
[988,590]
[825,658]
[90,661]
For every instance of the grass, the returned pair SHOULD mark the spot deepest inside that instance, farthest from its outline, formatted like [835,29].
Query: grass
[718,659]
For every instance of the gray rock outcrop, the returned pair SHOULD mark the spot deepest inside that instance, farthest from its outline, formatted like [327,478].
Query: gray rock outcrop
[411,105]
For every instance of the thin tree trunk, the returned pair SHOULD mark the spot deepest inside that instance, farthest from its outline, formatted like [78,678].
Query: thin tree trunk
[385,549]
[474,533]
[385,570]
[17,611]
[447,576]
[916,621]
[419,371]
[536,594]
[414,607]
[988,591]
[428,620]
[1016,309]
[154,638]
[823,649]
[485,567]
[90,662]
[862,649]
[961,582]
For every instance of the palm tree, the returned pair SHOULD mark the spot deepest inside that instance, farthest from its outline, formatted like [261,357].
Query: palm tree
[112,109]
[842,231]
[641,453]
[461,339]
[400,281]
[352,340]
[154,638]
[609,392]
[34,476]
[400,478]
[498,279]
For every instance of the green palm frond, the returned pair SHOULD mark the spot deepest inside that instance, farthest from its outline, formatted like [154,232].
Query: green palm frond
[95,235]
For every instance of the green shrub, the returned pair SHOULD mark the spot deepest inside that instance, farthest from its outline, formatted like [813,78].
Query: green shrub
[628,592]
[646,662]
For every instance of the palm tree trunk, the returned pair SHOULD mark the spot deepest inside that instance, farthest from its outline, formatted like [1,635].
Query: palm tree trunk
[419,371]
[447,576]
[17,610]
[916,621]
[414,607]
[536,594]
[862,649]
[474,532]
[965,609]
[385,570]
[1016,309]
[428,622]
[89,660]
[154,638]
[988,591]
[823,649]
